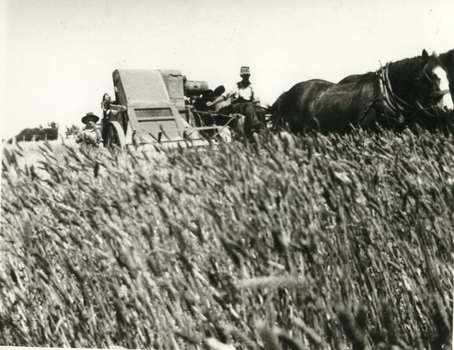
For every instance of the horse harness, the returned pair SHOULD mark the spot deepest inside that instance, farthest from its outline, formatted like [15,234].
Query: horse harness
[391,105]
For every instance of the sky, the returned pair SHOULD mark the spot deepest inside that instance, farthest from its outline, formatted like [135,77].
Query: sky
[58,55]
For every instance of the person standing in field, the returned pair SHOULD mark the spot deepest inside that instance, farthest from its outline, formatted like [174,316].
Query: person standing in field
[91,134]
[243,101]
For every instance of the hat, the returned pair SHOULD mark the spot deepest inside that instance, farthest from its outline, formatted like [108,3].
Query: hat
[245,71]
[90,115]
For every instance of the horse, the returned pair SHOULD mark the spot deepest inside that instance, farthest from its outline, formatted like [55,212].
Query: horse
[392,96]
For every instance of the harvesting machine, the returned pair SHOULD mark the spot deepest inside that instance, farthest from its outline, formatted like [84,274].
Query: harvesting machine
[160,109]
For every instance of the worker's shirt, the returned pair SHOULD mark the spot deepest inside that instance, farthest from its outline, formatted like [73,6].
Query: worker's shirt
[240,93]
[92,134]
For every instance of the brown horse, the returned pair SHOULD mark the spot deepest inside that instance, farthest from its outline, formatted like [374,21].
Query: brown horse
[392,96]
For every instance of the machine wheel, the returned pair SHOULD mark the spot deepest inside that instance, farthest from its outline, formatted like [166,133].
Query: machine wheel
[115,135]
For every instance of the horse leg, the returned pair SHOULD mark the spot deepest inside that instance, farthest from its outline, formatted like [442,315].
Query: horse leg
[369,120]
[312,125]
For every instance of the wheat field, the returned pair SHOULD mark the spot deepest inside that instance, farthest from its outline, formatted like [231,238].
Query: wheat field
[315,242]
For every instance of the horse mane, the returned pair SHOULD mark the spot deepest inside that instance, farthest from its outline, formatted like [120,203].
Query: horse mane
[447,59]
[356,78]
[406,84]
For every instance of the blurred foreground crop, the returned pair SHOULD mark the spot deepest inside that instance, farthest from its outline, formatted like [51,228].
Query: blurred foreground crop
[327,242]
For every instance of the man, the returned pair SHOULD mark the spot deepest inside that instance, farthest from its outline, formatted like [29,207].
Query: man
[90,135]
[243,102]
[111,111]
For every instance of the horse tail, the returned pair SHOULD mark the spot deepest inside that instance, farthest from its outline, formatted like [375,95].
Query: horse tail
[271,116]
[274,113]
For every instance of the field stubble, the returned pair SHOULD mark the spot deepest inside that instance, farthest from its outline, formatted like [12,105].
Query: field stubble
[322,242]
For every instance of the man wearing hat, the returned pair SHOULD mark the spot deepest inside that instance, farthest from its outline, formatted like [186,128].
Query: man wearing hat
[242,101]
[91,134]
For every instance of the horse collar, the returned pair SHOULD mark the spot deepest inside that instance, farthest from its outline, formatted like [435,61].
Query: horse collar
[392,102]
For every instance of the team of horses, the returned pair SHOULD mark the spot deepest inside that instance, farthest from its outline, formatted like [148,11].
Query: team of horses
[408,91]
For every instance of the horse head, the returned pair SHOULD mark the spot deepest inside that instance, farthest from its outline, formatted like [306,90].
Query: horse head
[420,86]
[433,92]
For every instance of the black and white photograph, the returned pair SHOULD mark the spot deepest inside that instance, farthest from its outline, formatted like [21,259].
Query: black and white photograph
[227,175]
